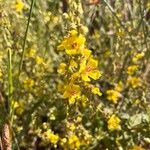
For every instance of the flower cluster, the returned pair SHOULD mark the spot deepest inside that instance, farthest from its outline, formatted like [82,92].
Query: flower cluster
[80,69]
[133,80]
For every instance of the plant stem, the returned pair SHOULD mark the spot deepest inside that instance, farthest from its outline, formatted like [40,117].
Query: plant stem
[25,37]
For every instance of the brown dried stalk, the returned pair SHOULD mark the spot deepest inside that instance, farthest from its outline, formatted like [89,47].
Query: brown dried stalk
[6,137]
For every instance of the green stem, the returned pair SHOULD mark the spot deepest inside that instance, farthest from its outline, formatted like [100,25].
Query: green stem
[25,37]
[10,81]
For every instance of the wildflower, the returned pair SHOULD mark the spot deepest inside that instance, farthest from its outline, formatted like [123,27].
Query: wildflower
[72,92]
[113,123]
[72,44]
[31,53]
[74,76]
[96,90]
[79,119]
[136,147]
[86,53]
[113,95]
[28,83]
[19,5]
[53,138]
[131,69]
[89,69]
[39,60]
[18,107]
[61,68]
[138,57]
[134,82]
[74,142]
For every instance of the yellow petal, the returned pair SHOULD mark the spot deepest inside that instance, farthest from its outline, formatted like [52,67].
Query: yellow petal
[85,77]
[96,90]
[95,74]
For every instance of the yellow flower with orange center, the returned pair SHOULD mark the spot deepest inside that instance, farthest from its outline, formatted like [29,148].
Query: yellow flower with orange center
[73,44]
[72,92]
[88,69]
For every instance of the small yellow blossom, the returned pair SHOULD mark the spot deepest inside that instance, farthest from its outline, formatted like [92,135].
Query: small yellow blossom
[74,76]
[138,57]
[19,5]
[72,92]
[86,53]
[31,53]
[18,107]
[28,83]
[136,147]
[113,95]
[53,138]
[73,44]
[79,119]
[74,142]
[131,69]
[88,68]
[62,68]
[114,123]
[72,126]
[96,90]
[39,60]
[134,82]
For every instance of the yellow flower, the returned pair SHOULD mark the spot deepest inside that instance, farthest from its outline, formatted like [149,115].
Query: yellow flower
[72,92]
[79,119]
[113,95]
[18,107]
[62,68]
[28,83]
[131,69]
[31,53]
[86,53]
[53,138]
[74,76]
[39,60]
[136,147]
[19,5]
[89,69]
[74,142]
[138,57]
[134,82]
[114,123]
[96,90]
[73,44]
